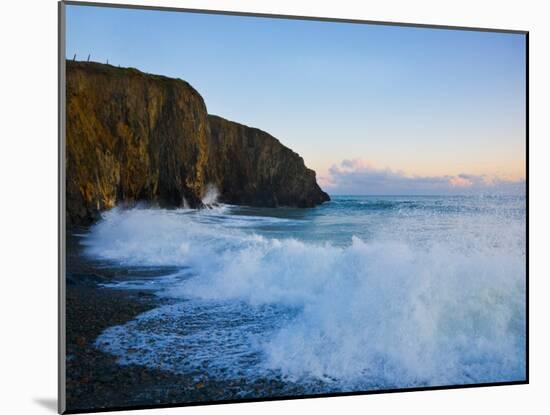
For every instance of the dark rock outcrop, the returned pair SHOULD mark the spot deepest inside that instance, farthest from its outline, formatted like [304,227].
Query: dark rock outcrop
[136,137]
[251,167]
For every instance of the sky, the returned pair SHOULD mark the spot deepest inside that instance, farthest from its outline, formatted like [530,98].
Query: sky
[373,109]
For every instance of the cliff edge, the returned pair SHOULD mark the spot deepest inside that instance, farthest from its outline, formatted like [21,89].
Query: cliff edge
[135,137]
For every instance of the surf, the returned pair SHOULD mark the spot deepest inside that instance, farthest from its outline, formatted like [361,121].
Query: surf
[378,310]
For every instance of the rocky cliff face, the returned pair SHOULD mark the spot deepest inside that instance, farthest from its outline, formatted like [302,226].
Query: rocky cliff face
[137,137]
[250,167]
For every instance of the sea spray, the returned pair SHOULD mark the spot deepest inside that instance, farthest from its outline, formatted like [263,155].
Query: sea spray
[427,295]
[211,195]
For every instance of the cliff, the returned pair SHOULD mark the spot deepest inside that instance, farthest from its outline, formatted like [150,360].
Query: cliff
[250,167]
[136,137]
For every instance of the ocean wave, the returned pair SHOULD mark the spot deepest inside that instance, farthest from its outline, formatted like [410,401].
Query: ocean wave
[373,313]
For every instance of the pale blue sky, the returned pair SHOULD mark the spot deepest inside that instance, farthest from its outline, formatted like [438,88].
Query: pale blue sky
[424,102]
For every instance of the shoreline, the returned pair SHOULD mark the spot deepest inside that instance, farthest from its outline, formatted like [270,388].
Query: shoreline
[94,379]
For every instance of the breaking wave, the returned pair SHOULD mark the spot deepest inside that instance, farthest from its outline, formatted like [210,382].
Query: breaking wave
[377,312]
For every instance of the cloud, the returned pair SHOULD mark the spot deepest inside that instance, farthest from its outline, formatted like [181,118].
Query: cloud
[362,177]
[458,181]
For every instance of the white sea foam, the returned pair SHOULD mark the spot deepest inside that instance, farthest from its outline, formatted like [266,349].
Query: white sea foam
[211,195]
[385,312]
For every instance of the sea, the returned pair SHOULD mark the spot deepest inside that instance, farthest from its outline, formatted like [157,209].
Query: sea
[361,293]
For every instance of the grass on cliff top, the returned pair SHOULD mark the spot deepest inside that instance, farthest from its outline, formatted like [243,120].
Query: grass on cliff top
[108,69]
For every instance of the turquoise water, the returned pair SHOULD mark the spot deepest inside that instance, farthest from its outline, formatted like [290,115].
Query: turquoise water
[359,293]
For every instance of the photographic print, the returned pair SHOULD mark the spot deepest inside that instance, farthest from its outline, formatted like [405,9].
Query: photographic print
[267,207]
